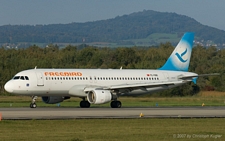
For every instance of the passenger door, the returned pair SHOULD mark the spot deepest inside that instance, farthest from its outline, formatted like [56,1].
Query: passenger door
[40,79]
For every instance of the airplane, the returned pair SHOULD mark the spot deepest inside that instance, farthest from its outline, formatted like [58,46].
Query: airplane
[99,86]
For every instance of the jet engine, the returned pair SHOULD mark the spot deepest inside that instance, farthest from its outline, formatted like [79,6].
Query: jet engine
[99,96]
[53,100]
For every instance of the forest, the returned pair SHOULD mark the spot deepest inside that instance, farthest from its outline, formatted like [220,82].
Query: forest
[203,61]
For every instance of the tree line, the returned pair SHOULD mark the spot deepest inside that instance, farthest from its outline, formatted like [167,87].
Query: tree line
[203,61]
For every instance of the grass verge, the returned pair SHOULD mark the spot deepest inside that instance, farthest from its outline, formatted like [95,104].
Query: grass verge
[114,129]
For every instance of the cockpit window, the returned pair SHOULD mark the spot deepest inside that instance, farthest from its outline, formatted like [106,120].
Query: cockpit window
[21,77]
[16,77]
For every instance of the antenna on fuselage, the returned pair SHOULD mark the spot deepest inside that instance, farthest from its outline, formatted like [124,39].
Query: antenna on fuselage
[35,67]
[121,68]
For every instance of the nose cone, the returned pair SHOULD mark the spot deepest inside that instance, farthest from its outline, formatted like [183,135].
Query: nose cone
[9,86]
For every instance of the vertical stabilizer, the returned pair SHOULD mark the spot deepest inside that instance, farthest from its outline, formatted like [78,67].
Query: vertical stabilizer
[179,60]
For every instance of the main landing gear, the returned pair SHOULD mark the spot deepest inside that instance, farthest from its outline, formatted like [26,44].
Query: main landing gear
[116,104]
[33,104]
[84,104]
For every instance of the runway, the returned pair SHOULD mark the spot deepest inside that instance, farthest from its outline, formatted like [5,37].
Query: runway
[79,113]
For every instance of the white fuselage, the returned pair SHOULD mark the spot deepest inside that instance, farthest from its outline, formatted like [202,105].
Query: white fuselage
[59,82]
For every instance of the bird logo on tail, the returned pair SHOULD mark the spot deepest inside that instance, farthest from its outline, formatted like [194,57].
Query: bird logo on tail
[179,56]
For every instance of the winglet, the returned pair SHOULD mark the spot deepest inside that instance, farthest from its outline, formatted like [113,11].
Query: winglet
[179,60]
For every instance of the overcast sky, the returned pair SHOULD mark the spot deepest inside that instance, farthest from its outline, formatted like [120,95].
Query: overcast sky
[32,12]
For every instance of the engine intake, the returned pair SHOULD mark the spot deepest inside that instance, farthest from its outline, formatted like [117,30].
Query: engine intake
[99,96]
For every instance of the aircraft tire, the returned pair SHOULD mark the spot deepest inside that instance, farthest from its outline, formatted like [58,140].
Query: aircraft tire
[33,105]
[85,104]
[116,104]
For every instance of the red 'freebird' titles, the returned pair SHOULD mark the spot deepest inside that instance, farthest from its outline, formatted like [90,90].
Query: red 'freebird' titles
[63,73]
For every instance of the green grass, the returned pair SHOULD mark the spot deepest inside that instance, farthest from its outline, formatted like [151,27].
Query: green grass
[112,129]
[156,38]
[217,99]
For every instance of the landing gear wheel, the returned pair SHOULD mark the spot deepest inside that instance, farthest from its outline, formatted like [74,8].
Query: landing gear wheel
[116,104]
[33,105]
[85,104]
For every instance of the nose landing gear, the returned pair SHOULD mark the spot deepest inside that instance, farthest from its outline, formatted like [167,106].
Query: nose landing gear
[33,104]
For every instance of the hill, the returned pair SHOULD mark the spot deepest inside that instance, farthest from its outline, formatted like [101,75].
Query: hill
[141,28]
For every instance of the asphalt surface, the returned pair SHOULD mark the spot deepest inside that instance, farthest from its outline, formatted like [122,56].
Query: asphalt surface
[79,113]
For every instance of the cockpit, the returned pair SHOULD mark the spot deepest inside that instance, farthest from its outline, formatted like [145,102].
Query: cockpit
[20,78]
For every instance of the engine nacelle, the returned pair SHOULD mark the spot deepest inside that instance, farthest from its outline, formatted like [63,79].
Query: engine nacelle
[53,99]
[99,96]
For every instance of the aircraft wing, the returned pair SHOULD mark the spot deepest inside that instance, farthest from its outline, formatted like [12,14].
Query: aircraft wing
[124,86]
